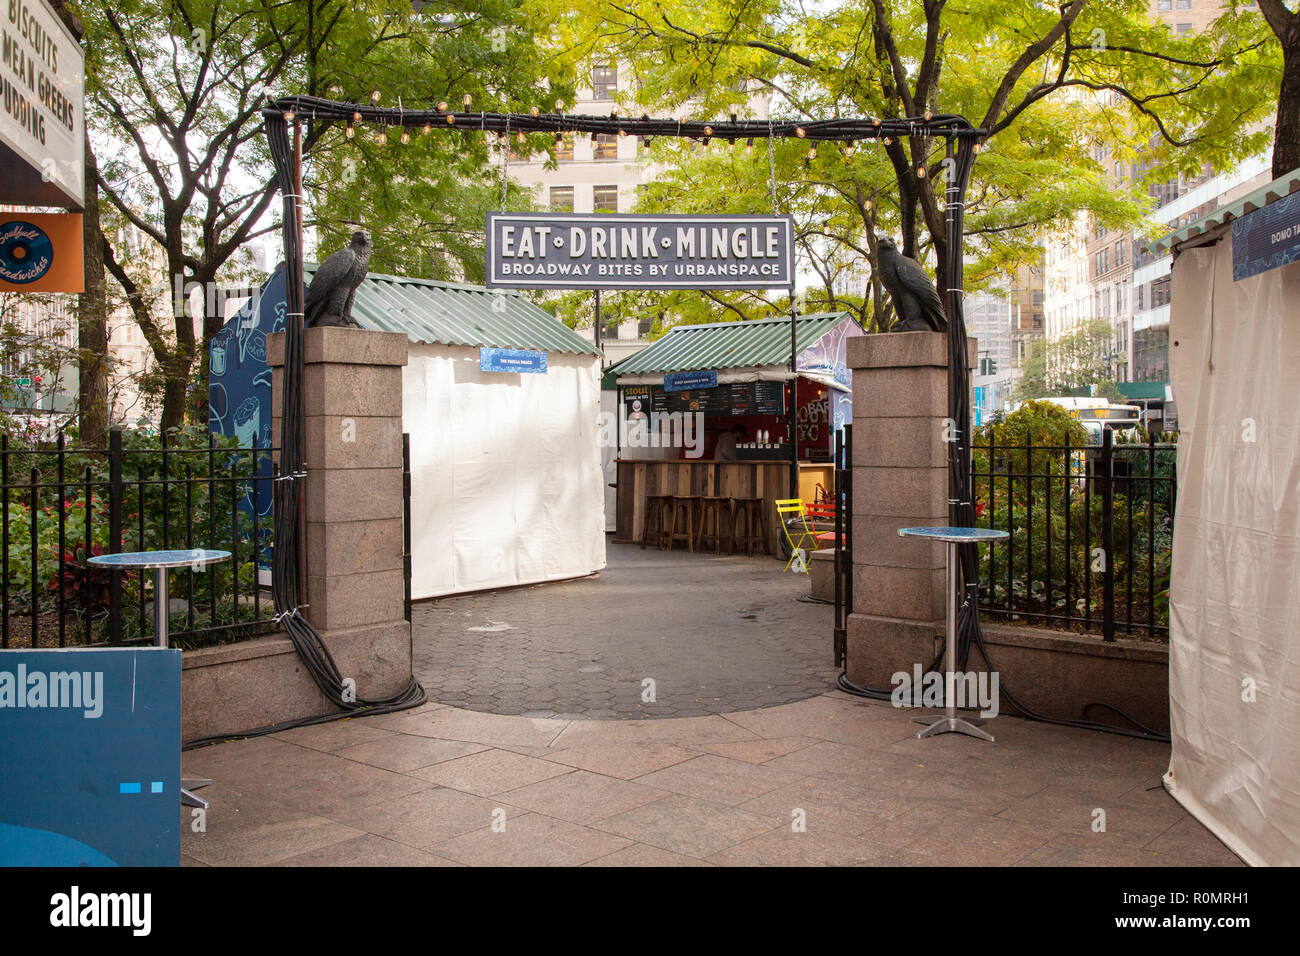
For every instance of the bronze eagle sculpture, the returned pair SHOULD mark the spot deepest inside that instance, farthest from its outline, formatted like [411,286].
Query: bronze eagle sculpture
[916,301]
[334,286]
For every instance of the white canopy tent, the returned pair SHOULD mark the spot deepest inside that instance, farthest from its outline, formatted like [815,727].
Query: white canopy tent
[1234,597]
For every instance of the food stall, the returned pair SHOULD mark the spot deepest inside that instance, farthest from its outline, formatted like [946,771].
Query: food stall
[715,410]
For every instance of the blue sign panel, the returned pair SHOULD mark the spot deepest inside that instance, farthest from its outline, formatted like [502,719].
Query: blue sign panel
[1266,238]
[688,381]
[511,360]
[90,746]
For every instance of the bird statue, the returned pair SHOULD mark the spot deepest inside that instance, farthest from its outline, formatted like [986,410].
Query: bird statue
[916,301]
[334,286]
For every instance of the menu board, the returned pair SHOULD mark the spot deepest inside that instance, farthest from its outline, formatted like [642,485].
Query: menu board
[738,398]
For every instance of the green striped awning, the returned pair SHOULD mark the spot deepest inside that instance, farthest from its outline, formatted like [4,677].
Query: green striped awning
[748,344]
[444,313]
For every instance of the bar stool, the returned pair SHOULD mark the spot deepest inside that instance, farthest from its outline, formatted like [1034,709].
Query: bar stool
[751,509]
[656,514]
[712,510]
[682,505]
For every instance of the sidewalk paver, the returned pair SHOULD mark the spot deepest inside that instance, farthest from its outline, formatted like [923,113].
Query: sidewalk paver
[831,780]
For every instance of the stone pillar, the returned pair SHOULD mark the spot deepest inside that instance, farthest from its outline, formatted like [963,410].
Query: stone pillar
[352,419]
[900,479]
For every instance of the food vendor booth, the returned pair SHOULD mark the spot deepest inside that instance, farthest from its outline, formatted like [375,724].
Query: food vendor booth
[714,415]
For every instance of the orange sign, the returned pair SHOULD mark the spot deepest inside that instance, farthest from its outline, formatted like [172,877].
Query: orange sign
[41,252]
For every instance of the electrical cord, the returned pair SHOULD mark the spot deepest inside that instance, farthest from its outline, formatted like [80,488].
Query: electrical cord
[285,586]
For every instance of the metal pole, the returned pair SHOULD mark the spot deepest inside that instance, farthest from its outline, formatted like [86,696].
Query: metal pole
[596,331]
[950,635]
[792,412]
[161,606]
[300,439]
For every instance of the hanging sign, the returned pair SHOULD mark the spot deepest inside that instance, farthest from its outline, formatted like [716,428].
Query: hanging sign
[687,381]
[511,360]
[603,251]
[41,252]
[90,743]
[42,129]
[1266,238]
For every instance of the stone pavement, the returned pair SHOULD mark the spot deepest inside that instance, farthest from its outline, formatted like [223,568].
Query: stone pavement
[440,786]
[715,633]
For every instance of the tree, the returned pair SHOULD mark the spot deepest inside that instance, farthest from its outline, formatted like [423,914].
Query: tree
[1047,81]
[1083,357]
[1285,25]
[175,90]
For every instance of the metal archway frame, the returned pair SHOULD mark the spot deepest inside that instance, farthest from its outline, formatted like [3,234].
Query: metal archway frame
[961,138]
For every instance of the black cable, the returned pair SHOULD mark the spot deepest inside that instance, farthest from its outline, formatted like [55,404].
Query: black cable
[286,589]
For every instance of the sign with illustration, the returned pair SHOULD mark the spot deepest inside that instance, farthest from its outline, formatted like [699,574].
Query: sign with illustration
[90,743]
[606,251]
[41,252]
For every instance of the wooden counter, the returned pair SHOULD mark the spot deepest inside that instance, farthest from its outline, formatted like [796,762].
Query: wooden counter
[769,480]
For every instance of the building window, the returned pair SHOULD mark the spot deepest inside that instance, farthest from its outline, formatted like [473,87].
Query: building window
[604,81]
[561,199]
[1184,4]
[605,199]
[604,146]
[564,147]
[1184,28]
[1165,4]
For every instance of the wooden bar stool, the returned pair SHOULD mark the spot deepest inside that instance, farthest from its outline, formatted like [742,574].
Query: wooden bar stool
[683,505]
[750,510]
[712,510]
[656,515]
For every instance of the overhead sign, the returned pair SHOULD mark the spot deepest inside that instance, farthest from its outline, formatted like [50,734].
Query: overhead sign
[685,381]
[1266,238]
[601,251]
[90,743]
[41,252]
[42,128]
[511,360]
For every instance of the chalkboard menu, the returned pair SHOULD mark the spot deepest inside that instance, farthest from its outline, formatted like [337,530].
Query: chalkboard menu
[738,398]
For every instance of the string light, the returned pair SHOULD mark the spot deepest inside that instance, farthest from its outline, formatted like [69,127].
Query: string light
[889,141]
[708,131]
[348,131]
[928,116]
[920,172]
[451,119]
[520,137]
[382,137]
[442,107]
[374,98]
[427,129]
[535,111]
[622,132]
[800,132]
[288,117]
[406,137]
[468,99]
[812,153]
[749,147]
[849,147]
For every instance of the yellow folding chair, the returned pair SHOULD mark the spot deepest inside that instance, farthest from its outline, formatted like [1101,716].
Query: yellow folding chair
[787,511]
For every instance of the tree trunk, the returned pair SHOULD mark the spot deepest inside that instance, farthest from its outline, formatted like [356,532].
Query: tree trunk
[175,390]
[1286,136]
[92,323]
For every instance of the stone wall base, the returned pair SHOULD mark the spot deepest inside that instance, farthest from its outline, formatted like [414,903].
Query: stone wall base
[238,687]
[1052,672]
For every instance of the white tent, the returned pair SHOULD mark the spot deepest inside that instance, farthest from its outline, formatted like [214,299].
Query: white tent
[1234,630]
[506,483]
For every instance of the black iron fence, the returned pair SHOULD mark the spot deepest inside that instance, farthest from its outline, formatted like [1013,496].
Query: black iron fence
[1091,534]
[61,505]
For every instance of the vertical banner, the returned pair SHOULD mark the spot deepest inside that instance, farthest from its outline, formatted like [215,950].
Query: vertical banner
[90,757]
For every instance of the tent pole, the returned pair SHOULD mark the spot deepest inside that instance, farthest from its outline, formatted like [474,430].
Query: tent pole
[791,413]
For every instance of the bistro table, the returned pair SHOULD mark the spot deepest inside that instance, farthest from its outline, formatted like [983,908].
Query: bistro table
[950,723]
[161,562]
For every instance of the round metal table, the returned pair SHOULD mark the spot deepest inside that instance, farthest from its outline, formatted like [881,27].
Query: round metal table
[161,562]
[950,723]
